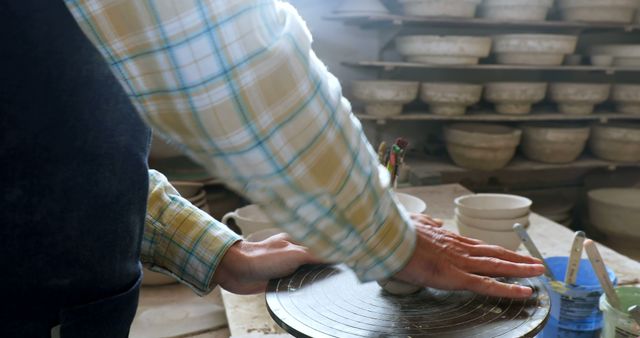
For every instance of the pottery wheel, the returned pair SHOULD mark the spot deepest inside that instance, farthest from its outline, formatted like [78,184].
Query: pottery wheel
[329,301]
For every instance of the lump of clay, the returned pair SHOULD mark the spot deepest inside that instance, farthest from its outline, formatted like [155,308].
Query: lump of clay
[396,287]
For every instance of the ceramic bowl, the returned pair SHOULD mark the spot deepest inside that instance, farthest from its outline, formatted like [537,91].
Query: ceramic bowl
[384,98]
[493,206]
[481,146]
[249,219]
[491,224]
[516,10]
[627,98]
[616,141]
[440,8]
[450,98]
[621,11]
[411,203]
[506,239]
[515,98]
[554,143]
[616,212]
[533,49]
[261,235]
[602,60]
[446,50]
[578,98]
[361,7]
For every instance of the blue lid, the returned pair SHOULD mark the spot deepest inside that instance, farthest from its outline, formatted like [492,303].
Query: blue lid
[586,276]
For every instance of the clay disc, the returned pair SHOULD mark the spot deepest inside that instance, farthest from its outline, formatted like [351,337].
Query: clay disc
[329,301]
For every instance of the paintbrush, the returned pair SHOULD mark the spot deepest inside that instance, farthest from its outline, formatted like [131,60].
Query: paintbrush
[601,273]
[573,264]
[532,248]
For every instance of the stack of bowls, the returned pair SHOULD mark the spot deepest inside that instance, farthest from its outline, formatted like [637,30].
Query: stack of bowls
[620,11]
[384,98]
[481,146]
[627,98]
[361,7]
[192,192]
[490,217]
[443,50]
[624,55]
[578,98]
[618,142]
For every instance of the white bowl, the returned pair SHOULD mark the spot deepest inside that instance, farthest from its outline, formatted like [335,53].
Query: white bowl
[481,146]
[515,98]
[616,212]
[363,7]
[249,219]
[384,98]
[554,143]
[450,98]
[618,142]
[491,224]
[533,49]
[493,206]
[578,98]
[435,49]
[411,203]
[440,8]
[506,239]
[627,98]
[621,11]
[516,10]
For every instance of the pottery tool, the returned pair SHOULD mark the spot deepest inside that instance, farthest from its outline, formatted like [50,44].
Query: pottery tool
[634,312]
[601,273]
[382,153]
[330,301]
[532,248]
[574,258]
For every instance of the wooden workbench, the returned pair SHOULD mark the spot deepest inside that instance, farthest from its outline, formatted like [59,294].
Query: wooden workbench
[247,315]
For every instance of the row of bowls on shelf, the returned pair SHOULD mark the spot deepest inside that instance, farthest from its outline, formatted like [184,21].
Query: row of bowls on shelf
[489,147]
[610,11]
[512,49]
[386,98]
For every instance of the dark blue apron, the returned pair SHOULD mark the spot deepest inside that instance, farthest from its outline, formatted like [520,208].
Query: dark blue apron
[73,179]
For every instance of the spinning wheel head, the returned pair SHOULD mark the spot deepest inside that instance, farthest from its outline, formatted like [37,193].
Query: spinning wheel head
[329,301]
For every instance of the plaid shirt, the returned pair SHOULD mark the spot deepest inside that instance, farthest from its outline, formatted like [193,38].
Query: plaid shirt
[237,87]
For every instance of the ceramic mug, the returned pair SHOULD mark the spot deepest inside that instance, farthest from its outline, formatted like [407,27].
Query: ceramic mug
[249,219]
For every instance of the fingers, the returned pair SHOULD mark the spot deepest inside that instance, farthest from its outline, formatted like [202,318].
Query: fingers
[427,220]
[502,253]
[491,287]
[496,267]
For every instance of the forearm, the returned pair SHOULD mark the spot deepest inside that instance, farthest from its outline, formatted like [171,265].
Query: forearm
[239,89]
[180,239]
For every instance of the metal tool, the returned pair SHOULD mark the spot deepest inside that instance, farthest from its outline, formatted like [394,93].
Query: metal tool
[532,248]
[634,311]
[601,273]
[574,258]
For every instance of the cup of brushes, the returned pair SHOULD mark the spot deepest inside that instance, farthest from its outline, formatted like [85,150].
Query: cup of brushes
[574,289]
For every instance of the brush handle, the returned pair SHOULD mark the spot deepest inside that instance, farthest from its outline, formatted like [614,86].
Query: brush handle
[532,248]
[574,258]
[601,273]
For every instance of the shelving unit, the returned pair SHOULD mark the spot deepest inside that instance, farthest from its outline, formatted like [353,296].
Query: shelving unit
[435,170]
[493,117]
[390,20]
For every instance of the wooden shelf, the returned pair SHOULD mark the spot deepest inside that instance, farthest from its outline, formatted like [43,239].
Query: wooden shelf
[393,65]
[386,20]
[493,117]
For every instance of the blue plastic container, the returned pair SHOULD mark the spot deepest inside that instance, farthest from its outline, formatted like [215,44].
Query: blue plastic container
[574,308]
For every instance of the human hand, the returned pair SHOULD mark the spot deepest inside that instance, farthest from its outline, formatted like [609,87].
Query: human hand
[247,267]
[448,261]
[425,219]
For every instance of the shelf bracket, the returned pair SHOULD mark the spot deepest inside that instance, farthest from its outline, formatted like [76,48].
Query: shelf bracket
[386,38]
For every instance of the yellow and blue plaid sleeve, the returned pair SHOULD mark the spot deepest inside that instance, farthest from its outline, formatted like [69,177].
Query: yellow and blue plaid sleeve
[236,85]
[180,239]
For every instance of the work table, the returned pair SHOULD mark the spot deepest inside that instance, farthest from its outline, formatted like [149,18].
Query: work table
[247,315]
